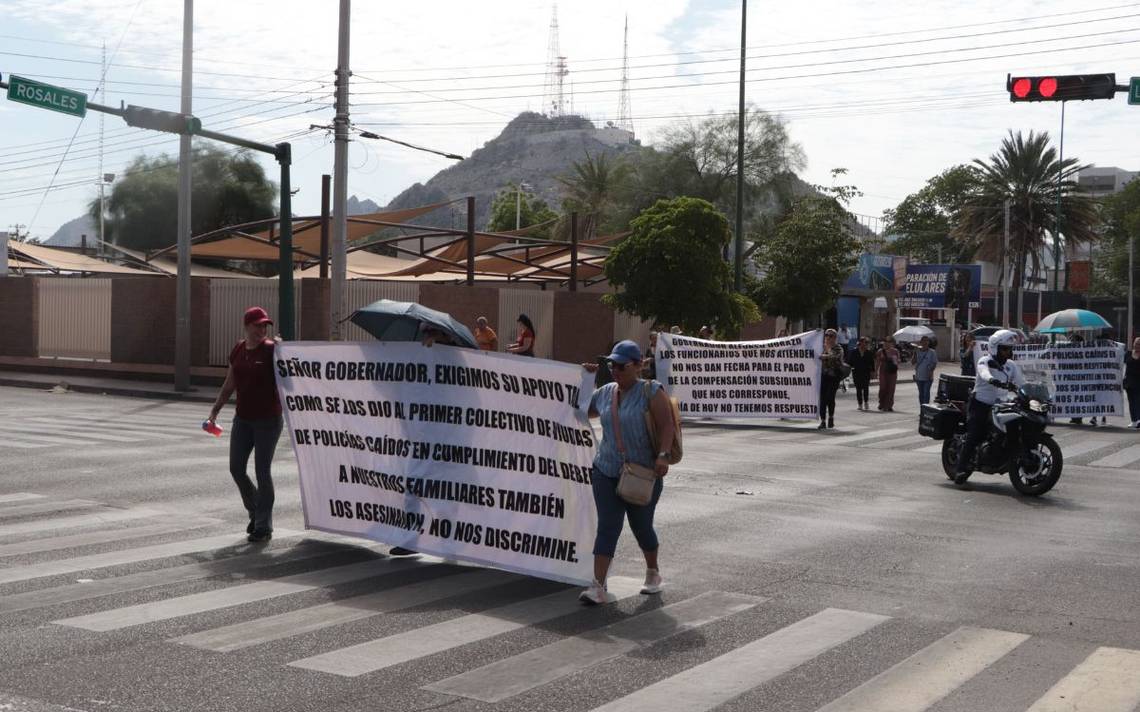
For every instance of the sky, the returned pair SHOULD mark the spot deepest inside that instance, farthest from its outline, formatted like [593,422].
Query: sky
[894,91]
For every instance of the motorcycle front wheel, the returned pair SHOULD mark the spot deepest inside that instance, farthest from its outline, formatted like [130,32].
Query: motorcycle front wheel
[950,449]
[1039,467]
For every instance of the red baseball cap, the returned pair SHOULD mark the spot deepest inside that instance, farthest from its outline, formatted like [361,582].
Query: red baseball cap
[256,315]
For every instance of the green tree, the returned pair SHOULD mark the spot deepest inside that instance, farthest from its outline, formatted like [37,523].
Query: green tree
[1024,171]
[677,242]
[1121,214]
[592,190]
[699,158]
[922,225]
[510,203]
[810,254]
[229,188]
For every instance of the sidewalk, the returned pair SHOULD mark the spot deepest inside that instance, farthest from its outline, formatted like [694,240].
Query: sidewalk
[107,386]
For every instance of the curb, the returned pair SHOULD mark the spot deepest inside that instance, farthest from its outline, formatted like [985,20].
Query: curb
[127,391]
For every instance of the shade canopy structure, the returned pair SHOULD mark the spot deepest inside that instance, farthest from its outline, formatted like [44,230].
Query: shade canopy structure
[389,320]
[258,241]
[169,266]
[57,260]
[1068,320]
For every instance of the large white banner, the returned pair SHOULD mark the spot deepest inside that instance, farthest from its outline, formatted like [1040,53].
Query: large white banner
[1084,379]
[465,454]
[775,378]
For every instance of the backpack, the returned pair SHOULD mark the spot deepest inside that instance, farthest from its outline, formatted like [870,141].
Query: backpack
[676,452]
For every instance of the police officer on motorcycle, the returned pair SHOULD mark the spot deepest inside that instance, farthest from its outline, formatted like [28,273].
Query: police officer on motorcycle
[996,374]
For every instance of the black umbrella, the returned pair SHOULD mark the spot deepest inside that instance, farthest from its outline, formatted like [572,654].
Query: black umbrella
[401,321]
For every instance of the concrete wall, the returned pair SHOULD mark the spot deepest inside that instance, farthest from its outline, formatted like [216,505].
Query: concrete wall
[583,327]
[142,320]
[19,317]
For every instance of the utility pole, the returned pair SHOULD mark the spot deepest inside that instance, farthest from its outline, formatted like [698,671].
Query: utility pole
[102,176]
[518,206]
[1131,293]
[1005,266]
[340,176]
[185,168]
[738,274]
[1057,221]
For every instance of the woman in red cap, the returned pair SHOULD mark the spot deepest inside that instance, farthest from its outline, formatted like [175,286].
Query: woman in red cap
[257,424]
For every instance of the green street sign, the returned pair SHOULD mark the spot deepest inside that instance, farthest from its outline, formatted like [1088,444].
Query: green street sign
[1134,90]
[45,96]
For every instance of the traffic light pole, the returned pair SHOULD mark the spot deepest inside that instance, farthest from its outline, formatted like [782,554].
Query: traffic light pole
[282,152]
[1057,220]
[738,271]
[182,332]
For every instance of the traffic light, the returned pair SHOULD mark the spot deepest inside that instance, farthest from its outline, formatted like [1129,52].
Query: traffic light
[168,121]
[1068,87]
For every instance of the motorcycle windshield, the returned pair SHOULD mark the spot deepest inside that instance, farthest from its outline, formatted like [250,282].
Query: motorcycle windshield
[1035,391]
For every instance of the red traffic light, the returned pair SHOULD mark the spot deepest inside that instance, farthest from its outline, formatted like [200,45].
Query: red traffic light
[1068,87]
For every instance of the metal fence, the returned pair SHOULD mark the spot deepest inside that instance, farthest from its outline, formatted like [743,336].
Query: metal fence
[539,306]
[229,298]
[74,318]
[627,326]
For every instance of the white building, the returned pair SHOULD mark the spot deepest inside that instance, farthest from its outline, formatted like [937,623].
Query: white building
[1101,182]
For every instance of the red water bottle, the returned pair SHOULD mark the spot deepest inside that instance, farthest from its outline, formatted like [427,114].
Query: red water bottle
[212,428]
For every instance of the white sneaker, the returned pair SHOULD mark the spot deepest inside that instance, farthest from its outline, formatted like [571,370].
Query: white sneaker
[653,583]
[595,595]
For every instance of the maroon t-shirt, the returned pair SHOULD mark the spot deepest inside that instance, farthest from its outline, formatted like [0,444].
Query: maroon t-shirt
[256,386]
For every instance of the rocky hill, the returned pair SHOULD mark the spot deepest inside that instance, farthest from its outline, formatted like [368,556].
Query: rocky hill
[533,148]
[69,234]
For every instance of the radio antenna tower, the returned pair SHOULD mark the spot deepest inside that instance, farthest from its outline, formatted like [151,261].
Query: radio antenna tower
[625,121]
[553,103]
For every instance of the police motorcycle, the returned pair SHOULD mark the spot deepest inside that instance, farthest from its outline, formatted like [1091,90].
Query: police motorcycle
[1015,442]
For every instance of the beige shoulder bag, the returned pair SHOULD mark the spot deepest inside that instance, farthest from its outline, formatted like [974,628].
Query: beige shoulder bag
[636,482]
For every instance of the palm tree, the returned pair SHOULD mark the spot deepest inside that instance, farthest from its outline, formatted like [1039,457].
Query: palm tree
[592,190]
[1025,171]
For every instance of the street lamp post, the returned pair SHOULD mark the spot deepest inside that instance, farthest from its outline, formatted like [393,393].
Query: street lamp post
[518,203]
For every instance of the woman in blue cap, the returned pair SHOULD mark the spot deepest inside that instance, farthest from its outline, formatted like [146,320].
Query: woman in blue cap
[623,403]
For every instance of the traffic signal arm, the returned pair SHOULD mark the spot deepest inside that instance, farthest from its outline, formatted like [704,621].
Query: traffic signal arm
[1066,87]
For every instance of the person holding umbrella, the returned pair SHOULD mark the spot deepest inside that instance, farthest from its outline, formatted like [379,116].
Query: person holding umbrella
[925,362]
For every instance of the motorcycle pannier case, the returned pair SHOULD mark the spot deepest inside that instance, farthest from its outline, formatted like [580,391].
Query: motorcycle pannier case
[937,421]
[952,387]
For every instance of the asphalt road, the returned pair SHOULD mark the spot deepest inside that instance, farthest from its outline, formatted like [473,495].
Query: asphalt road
[805,571]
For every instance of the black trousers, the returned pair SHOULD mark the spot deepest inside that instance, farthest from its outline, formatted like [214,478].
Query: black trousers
[828,385]
[977,424]
[862,388]
[1133,403]
[260,438]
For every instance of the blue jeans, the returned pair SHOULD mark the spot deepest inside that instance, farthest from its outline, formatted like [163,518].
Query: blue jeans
[612,509]
[259,437]
[924,391]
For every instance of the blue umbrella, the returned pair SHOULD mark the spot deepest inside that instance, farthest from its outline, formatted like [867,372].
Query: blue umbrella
[1068,320]
[401,321]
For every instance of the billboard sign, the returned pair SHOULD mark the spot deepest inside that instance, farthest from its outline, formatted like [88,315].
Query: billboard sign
[942,287]
[875,273]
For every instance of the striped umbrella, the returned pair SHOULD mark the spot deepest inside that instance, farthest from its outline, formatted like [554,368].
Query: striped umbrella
[1068,320]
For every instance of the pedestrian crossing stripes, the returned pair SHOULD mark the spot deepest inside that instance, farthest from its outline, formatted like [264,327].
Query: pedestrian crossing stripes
[507,678]
[930,674]
[917,680]
[719,680]
[403,647]
[1106,681]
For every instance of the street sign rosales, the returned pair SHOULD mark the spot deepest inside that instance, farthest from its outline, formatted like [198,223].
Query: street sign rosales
[46,96]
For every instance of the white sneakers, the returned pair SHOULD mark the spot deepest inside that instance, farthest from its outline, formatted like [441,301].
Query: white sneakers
[596,594]
[653,583]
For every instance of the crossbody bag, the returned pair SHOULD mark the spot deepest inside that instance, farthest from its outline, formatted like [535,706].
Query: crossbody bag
[635,485]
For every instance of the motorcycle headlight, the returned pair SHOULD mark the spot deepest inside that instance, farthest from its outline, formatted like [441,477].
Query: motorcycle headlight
[1038,406]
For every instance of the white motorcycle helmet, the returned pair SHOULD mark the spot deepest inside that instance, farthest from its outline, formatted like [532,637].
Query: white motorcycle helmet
[1003,337]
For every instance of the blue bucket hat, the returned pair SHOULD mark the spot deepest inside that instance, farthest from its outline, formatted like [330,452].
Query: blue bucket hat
[624,352]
